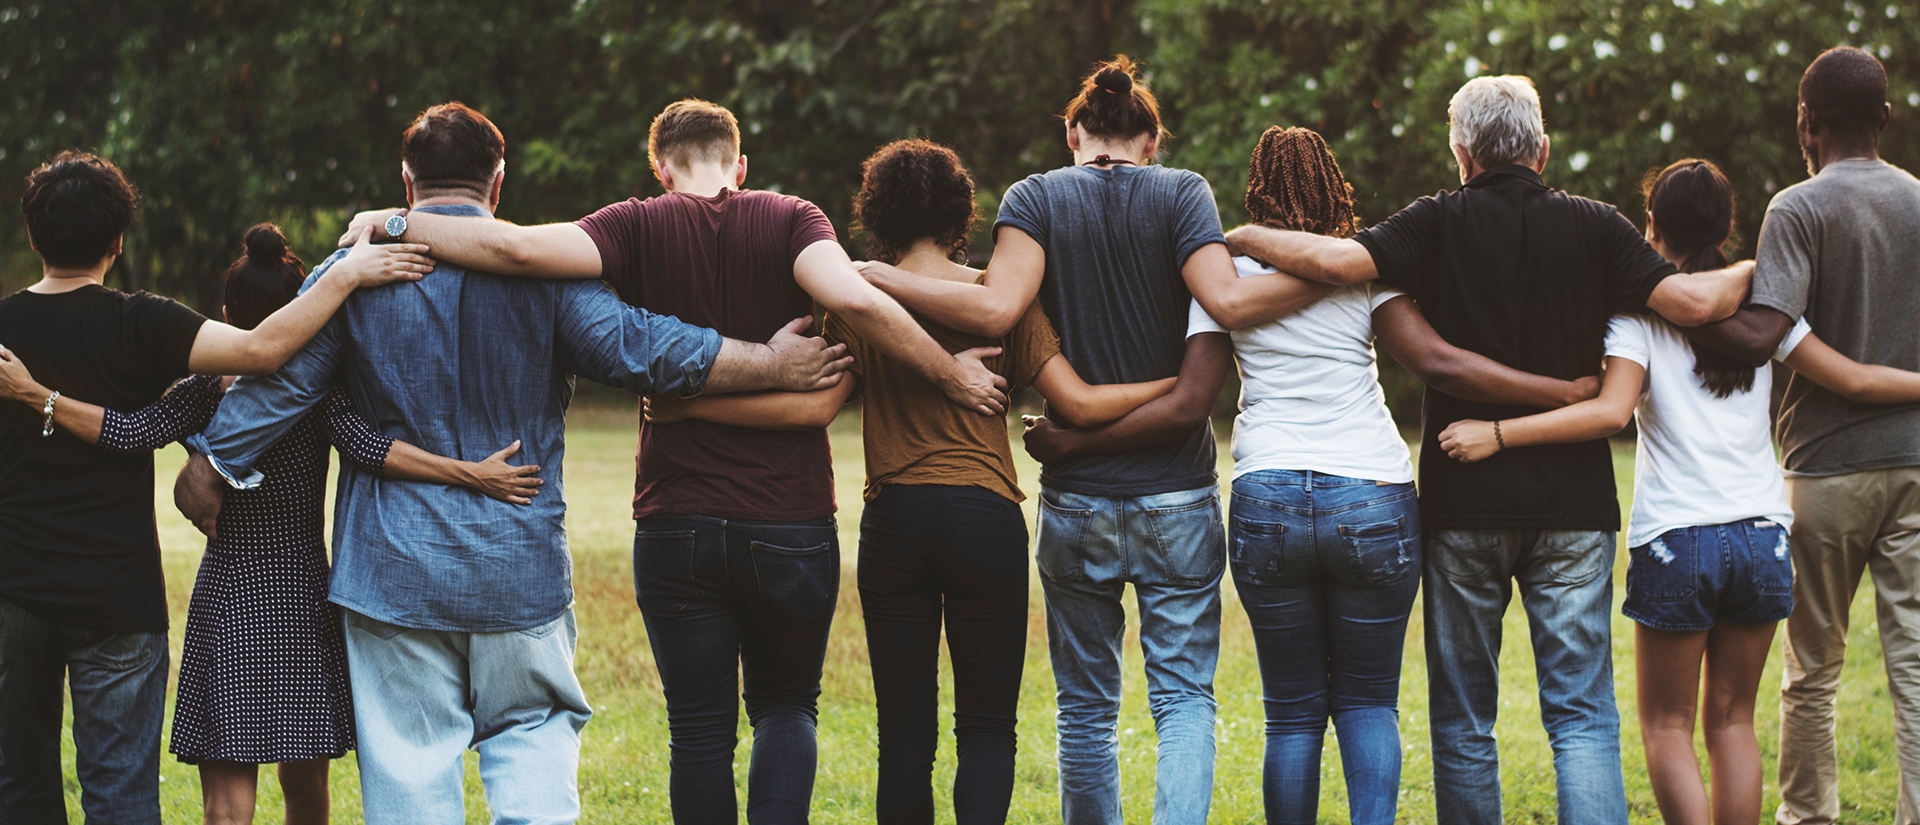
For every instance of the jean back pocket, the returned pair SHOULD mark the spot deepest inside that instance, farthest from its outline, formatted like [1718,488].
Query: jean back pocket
[663,577]
[1379,554]
[1667,568]
[797,584]
[1770,557]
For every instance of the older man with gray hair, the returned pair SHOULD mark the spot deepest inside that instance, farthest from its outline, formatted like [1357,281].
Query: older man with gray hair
[1527,275]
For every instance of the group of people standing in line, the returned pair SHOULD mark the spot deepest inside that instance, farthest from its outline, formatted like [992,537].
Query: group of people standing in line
[445,621]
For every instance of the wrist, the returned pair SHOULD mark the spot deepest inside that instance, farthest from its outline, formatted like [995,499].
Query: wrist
[33,395]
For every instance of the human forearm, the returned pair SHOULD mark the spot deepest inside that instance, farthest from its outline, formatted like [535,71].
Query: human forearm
[1079,404]
[794,411]
[1750,335]
[1474,440]
[1203,371]
[409,463]
[1850,379]
[1403,331]
[493,478]
[1690,299]
[972,308]
[1337,261]
[71,414]
[1235,302]
[557,250]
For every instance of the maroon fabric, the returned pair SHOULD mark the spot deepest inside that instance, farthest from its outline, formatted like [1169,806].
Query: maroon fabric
[724,262]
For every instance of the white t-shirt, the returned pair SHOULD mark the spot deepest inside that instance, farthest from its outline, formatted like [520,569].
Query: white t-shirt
[1310,396]
[1703,460]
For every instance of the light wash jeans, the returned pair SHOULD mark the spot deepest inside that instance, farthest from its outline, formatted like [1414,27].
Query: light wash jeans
[1566,585]
[421,698]
[1171,548]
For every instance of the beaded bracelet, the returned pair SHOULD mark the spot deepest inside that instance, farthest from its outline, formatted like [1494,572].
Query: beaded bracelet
[1497,437]
[46,426]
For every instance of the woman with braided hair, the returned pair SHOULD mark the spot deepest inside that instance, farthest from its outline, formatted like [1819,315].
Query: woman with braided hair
[1324,531]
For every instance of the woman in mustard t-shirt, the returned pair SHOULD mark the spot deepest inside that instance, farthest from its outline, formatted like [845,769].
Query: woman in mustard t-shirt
[942,537]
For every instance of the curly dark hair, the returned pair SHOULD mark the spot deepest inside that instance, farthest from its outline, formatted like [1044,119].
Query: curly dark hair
[1293,182]
[913,189]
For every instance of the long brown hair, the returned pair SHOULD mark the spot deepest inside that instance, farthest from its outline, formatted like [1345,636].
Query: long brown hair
[1691,204]
[1294,182]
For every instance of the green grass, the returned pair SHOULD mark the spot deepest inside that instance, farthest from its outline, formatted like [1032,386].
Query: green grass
[624,763]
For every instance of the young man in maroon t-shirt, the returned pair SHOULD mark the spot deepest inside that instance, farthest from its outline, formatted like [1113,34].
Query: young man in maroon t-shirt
[736,558]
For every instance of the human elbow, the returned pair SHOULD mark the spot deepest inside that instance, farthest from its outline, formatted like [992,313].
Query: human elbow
[260,358]
[515,253]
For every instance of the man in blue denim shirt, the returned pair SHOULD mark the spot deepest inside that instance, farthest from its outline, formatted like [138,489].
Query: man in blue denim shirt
[459,608]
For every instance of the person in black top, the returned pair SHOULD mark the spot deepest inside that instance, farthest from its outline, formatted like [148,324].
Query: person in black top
[81,593]
[1527,275]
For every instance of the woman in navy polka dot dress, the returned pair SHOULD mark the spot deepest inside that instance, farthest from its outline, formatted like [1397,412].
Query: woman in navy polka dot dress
[263,677]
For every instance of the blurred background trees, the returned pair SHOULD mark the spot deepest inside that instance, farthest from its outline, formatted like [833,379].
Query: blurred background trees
[228,112]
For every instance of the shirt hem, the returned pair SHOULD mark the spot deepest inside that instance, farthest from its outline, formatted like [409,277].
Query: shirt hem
[736,514]
[1153,488]
[1891,463]
[447,626]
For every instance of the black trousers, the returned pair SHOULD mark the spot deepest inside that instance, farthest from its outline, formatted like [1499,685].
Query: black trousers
[958,552]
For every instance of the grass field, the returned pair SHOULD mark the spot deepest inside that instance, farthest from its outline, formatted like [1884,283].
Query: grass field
[624,764]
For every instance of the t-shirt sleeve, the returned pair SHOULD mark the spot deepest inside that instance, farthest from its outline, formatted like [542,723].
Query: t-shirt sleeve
[1801,329]
[1629,337]
[1783,267]
[1199,322]
[836,331]
[1633,268]
[618,230]
[1403,246]
[1025,209]
[1377,296]
[163,333]
[1198,217]
[1030,345]
[810,226]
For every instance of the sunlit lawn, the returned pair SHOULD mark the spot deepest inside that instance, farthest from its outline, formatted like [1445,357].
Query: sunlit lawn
[624,765]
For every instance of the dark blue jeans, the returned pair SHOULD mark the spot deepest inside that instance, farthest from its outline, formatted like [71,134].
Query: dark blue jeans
[726,599]
[1327,568]
[119,684]
[929,552]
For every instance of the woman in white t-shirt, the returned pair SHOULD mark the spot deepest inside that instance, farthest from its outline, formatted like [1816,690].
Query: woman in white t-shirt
[1325,531]
[1709,575]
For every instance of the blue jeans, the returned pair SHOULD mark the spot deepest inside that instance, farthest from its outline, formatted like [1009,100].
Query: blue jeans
[1327,568]
[119,684]
[724,599]
[1169,547]
[1566,585]
[1689,578]
[421,698]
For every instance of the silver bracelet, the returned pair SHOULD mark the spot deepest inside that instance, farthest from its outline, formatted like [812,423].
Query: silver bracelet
[46,427]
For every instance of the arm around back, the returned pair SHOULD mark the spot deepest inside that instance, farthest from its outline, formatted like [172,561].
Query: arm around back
[1850,379]
[1690,299]
[1336,261]
[793,411]
[1203,371]
[1080,404]
[990,308]
[1749,336]
[1235,302]
[554,250]
[1407,336]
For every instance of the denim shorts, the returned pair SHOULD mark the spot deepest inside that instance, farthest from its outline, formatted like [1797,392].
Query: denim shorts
[1690,577]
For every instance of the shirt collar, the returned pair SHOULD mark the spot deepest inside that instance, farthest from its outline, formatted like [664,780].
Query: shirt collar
[1493,176]
[462,210]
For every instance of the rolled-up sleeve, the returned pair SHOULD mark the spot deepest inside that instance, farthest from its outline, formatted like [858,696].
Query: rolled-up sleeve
[259,410]
[602,339]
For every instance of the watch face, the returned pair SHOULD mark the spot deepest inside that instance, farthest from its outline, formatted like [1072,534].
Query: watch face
[396,226]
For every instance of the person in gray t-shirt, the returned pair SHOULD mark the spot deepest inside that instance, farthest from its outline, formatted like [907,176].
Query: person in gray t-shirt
[1839,248]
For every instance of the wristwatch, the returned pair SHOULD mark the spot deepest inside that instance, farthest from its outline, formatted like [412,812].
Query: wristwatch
[396,225]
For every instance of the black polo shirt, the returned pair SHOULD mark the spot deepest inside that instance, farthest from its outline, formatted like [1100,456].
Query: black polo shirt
[1526,275]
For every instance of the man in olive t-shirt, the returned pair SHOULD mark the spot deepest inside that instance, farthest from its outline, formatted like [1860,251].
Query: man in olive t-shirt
[1840,249]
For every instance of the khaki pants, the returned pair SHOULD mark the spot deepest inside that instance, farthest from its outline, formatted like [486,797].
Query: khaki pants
[1844,525]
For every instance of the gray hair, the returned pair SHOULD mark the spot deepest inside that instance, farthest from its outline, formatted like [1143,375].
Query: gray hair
[1497,120]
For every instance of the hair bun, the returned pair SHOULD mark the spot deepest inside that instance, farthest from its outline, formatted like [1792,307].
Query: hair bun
[266,246]
[1114,80]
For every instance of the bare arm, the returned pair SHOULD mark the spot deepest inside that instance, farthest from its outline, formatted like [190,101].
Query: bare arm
[757,410]
[1080,404]
[184,410]
[220,349]
[493,478]
[1337,261]
[825,272]
[989,308]
[553,250]
[1469,441]
[1850,379]
[787,361]
[1405,334]
[1750,336]
[1203,370]
[71,414]
[1235,302]
[1690,299]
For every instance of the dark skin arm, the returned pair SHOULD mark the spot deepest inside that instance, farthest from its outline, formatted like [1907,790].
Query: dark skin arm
[1203,371]
[1405,334]
[1750,336]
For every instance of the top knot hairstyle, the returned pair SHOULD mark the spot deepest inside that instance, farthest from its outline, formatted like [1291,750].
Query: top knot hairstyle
[265,279]
[1294,182]
[1847,89]
[77,205]
[914,189]
[453,147]
[1114,104]
[1691,205]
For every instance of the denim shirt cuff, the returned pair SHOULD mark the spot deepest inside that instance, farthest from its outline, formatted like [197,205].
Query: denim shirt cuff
[249,481]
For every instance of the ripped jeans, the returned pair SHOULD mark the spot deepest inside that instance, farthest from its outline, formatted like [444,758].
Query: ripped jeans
[1689,577]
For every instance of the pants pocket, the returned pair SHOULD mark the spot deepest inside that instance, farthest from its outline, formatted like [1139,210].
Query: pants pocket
[1468,556]
[121,651]
[1188,538]
[663,571]
[1381,553]
[372,626]
[1062,532]
[1665,569]
[1575,557]
[797,584]
[1771,559]
[1257,550]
